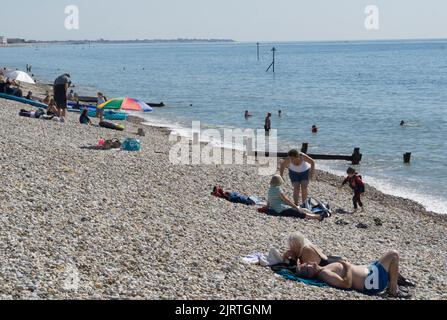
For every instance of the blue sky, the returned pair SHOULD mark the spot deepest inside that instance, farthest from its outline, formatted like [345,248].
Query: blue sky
[242,20]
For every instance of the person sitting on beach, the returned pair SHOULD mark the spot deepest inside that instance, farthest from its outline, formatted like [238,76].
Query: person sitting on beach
[247,114]
[47,98]
[2,84]
[52,109]
[301,171]
[283,206]
[13,91]
[29,96]
[84,119]
[371,280]
[357,185]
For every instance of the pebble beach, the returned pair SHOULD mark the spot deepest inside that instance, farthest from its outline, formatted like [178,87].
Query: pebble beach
[77,223]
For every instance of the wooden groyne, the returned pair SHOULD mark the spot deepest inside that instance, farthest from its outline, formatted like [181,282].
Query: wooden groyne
[355,158]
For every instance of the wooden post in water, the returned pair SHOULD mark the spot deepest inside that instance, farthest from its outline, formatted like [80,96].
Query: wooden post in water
[273,63]
[257,44]
[305,147]
[407,157]
[356,156]
[274,50]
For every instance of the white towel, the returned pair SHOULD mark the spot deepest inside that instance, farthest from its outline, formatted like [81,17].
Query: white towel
[273,258]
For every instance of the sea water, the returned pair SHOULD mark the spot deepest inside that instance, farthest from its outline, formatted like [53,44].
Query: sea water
[357,93]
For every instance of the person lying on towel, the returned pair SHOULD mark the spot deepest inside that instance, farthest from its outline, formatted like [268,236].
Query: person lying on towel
[371,280]
[279,203]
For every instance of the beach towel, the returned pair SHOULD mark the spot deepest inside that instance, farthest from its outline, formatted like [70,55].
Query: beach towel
[289,275]
[273,258]
[280,266]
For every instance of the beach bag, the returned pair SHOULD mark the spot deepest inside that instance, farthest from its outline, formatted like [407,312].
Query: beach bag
[111,144]
[317,207]
[131,144]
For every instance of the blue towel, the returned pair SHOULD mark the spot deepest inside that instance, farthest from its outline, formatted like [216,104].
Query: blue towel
[288,275]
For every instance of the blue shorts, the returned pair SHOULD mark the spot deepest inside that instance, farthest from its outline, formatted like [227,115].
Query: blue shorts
[301,177]
[377,280]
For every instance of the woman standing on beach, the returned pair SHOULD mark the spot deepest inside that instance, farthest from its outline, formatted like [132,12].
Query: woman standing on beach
[100,111]
[301,171]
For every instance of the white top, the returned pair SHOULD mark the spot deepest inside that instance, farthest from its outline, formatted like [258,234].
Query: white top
[101,100]
[303,167]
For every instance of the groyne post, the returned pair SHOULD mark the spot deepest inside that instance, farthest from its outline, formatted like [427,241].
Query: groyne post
[407,157]
[305,147]
[273,63]
[356,156]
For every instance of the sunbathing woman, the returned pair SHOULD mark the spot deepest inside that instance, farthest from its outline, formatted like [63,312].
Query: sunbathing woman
[302,250]
[52,109]
[283,206]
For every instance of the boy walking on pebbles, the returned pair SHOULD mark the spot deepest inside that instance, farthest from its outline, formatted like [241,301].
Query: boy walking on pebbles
[357,185]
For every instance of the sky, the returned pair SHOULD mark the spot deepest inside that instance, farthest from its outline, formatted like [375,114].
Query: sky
[241,20]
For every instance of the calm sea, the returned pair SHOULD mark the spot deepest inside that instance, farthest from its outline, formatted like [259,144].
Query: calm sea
[356,93]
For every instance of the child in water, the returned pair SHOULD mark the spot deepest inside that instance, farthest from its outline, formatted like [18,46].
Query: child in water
[356,184]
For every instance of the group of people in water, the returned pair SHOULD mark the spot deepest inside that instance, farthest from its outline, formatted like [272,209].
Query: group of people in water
[268,121]
[310,262]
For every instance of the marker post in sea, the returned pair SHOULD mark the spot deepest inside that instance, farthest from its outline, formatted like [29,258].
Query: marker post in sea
[273,63]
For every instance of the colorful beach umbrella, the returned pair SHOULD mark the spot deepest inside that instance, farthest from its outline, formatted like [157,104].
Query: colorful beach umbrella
[128,104]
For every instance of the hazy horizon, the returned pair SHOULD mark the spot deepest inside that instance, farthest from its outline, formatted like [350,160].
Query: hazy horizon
[250,21]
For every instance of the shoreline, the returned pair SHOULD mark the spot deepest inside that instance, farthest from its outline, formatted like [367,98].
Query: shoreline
[139,120]
[133,226]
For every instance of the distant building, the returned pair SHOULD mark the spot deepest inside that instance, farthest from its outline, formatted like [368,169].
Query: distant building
[3,41]
[15,40]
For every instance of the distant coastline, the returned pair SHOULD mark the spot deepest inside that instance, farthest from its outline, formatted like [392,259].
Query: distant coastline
[23,42]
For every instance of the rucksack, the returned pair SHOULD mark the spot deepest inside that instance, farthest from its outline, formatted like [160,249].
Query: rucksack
[361,187]
[131,144]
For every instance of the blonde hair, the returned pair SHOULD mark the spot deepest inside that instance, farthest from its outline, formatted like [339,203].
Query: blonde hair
[276,181]
[297,239]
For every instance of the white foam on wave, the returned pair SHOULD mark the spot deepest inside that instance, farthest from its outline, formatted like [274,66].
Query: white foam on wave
[431,203]
[182,130]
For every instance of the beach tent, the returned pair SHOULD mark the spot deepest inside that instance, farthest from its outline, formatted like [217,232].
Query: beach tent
[128,104]
[19,76]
